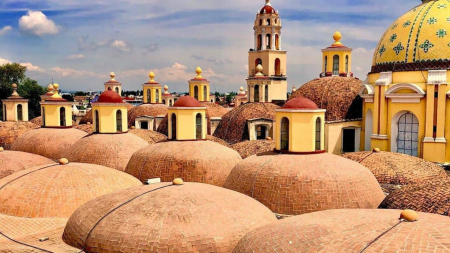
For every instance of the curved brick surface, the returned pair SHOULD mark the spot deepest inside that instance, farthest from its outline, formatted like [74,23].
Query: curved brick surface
[149,136]
[188,218]
[298,184]
[57,190]
[110,150]
[29,231]
[48,142]
[194,161]
[396,168]
[10,131]
[249,148]
[13,161]
[432,196]
[146,110]
[350,231]
[89,129]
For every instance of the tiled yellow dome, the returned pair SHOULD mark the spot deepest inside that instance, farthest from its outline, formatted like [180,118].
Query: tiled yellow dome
[420,39]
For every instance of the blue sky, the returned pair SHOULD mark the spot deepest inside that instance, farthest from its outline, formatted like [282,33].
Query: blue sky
[79,42]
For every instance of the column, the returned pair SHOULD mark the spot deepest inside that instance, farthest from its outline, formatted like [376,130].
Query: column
[273,42]
[264,39]
[279,40]
[256,42]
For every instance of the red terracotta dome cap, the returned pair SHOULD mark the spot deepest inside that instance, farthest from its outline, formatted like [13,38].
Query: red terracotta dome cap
[268,10]
[300,103]
[110,96]
[187,101]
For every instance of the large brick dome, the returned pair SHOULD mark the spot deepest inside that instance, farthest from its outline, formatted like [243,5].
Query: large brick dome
[194,161]
[57,190]
[110,150]
[13,161]
[431,196]
[49,142]
[164,218]
[396,168]
[249,148]
[149,136]
[10,131]
[298,184]
[350,231]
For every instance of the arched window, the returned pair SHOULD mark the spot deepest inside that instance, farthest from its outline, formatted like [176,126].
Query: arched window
[260,22]
[336,65]
[196,92]
[268,21]
[277,67]
[268,40]
[157,96]
[62,116]
[198,126]
[284,134]
[117,90]
[408,135]
[259,42]
[164,101]
[326,65]
[205,93]
[266,93]
[276,21]
[119,121]
[4,112]
[256,94]
[277,42]
[43,116]
[170,102]
[257,62]
[97,122]
[173,120]
[149,96]
[346,64]
[318,134]
[19,112]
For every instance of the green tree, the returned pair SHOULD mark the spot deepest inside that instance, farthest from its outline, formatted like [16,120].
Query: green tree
[29,89]
[80,93]
[10,73]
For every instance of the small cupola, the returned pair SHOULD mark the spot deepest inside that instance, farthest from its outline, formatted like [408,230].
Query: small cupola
[199,87]
[337,58]
[113,84]
[152,90]
[110,113]
[167,97]
[187,120]
[56,111]
[300,127]
[15,107]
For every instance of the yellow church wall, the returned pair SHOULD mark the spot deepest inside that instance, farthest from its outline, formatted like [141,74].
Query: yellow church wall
[447,131]
[52,114]
[366,108]
[153,90]
[278,90]
[372,78]
[107,117]
[334,135]
[302,130]
[11,110]
[186,123]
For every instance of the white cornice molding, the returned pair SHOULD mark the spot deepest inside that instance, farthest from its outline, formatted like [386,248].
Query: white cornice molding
[405,97]
[437,77]
[385,78]
[405,86]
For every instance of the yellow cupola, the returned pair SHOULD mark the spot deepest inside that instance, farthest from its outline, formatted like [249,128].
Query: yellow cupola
[110,113]
[187,120]
[15,108]
[167,97]
[113,84]
[337,58]
[56,111]
[152,90]
[199,87]
[299,127]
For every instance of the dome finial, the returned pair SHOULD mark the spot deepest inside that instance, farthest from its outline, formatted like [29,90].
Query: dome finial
[259,70]
[268,3]
[15,94]
[152,77]
[56,91]
[337,36]
[294,89]
[166,89]
[112,75]
[199,71]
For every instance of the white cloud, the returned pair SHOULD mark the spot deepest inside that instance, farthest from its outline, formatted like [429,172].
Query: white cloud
[31,67]
[36,23]
[4,61]
[75,57]
[68,72]
[5,30]
[120,45]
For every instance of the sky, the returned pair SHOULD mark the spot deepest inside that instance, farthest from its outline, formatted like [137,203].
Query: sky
[79,42]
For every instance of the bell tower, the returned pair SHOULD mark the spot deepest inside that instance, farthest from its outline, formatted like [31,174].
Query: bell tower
[267,80]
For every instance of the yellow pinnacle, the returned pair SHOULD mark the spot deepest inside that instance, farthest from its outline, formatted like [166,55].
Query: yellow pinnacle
[112,75]
[152,77]
[15,94]
[50,87]
[199,71]
[56,91]
[337,36]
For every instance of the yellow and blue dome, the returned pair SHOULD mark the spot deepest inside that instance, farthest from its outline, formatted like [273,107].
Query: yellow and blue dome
[418,40]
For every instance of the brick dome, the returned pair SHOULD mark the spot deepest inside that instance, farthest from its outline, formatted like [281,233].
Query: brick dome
[10,131]
[149,136]
[300,103]
[396,168]
[432,196]
[109,96]
[233,127]
[164,217]
[13,161]
[57,190]
[349,231]
[249,148]
[153,110]
[85,128]
[110,150]
[187,101]
[218,140]
[298,184]
[27,231]
[48,142]
[194,161]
